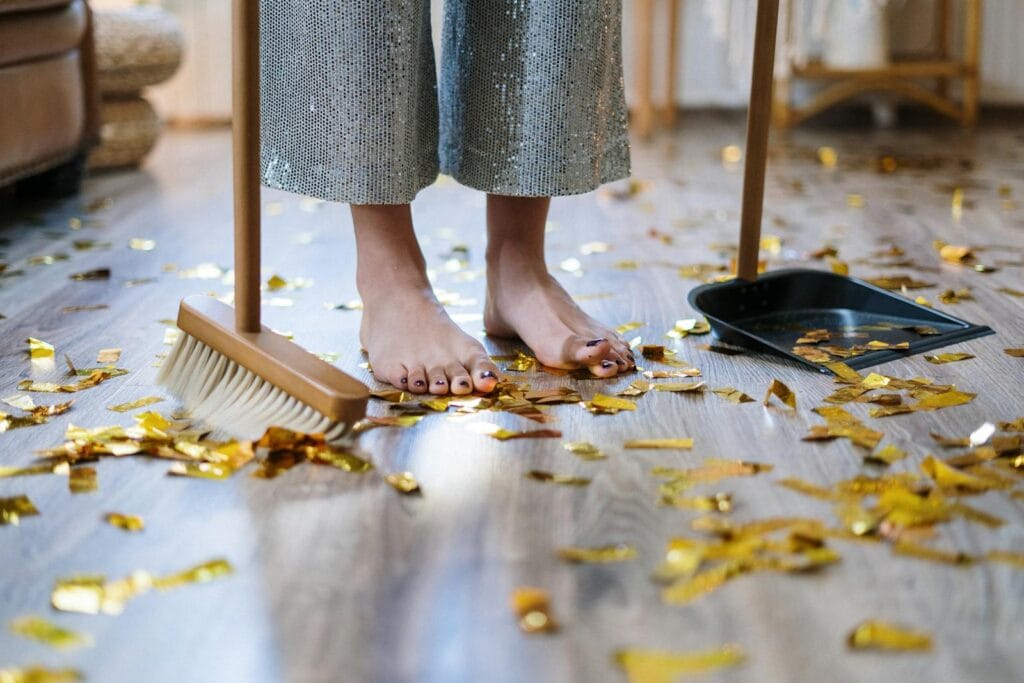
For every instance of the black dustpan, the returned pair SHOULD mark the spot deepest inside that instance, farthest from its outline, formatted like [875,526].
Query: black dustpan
[772,311]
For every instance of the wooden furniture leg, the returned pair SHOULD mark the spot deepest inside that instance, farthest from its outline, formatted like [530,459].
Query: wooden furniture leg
[643,112]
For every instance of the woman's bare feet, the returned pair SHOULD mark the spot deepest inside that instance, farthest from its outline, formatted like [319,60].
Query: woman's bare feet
[524,301]
[411,341]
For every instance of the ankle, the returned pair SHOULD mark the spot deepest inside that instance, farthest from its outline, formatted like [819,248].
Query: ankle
[374,284]
[508,259]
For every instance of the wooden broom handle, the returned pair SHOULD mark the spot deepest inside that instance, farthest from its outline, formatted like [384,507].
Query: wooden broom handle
[245,128]
[758,121]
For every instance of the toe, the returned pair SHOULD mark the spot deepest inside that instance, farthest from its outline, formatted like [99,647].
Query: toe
[438,380]
[458,379]
[621,364]
[485,374]
[397,376]
[587,351]
[606,368]
[418,381]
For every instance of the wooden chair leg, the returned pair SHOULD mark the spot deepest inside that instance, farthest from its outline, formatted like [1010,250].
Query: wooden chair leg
[643,112]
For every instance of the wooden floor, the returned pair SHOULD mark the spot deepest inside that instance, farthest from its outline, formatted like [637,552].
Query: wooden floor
[338,578]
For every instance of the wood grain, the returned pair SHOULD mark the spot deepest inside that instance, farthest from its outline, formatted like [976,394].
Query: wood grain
[340,579]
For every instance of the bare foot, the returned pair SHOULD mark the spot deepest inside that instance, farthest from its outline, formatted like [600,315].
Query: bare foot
[524,301]
[411,341]
[414,345]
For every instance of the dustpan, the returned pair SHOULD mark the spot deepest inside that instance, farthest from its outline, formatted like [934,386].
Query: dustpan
[773,311]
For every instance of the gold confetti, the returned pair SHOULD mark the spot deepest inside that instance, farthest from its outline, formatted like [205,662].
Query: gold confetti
[82,480]
[684,442]
[950,478]
[132,405]
[923,552]
[716,502]
[828,157]
[13,509]
[38,349]
[628,327]
[660,666]
[403,482]
[732,395]
[94,378]
[125,522]
[784,393]
[202,573]
[584,450]
[140,244]
[1016,353]
[946,399]
[201,470]
[501,434]
[598,555]
[533,609]
[887,455]
[92,593]
[48,633]
[637,387]
[682,387]
[899,282]
[601,404]
[1013,559]
[108,355]
[342,460]
[731,155]
[6,472]
[948,358]
[952,253]
[40,674]
[564,479]
[855,201]
[882,635]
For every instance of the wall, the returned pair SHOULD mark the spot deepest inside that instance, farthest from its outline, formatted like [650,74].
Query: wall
[201,90]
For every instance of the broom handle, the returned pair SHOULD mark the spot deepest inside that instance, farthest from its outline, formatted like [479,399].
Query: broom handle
[758,121]
[245,129]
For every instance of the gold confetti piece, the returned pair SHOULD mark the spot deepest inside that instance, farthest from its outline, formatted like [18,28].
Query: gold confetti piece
[108,355]
[952,253]
[1016,353]
[584,450]
[652,351]
[1014,559]
[947,477]
[498,432]
[687,590]
[684,442]
[38,349]
[46,259]
[403,482]
[895,282]
[48,633]
[601,403]
[22,401]
[681,387]
[839,267]
[565,479]
[628,327]
[855,201]
[13,509]
[784,393]
[598,555]
[533,609]
[82,594]
[948,358]
[594,248]
[201,470]
[923,552]
[716,502]
[731,155]
[812,354]
[946,399]
[814,336]
[124,522]
[807,488]
[732,395]
[132,405]
[660,666]
[7,472]
[637,387]
[82,480]
[95,377]
[140,244]
[671,374]
[882,635]
[392,395]
[887,455]
[79,309]
[202,573]
[1011,292]
[40,674]
[343,460]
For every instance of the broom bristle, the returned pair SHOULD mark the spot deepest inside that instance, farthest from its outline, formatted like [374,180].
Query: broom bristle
[231,398]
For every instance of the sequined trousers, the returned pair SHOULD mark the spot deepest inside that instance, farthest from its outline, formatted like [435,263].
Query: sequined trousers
[528,102]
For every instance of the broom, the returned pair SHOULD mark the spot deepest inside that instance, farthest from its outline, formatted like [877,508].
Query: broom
[226,367]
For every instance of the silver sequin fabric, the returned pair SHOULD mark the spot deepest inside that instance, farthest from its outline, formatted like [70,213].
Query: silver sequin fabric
[529,101]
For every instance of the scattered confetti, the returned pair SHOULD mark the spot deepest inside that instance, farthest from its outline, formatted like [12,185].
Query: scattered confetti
[881,635]
[660,666]
[780,390]
[564,479]
[48,633]
[403,482]
[598,555]
[584,450]
[13,509]
[533,609]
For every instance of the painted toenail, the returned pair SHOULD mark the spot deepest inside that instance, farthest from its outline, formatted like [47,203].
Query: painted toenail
[463,383]
[594,342]
[486,374]
[405,380]
[420,383]
[439,382]
[606,364]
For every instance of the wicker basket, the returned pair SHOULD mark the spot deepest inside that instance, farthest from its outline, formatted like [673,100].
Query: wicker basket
[136,47]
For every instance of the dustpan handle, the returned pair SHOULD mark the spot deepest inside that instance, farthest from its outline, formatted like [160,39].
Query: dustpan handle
[245,129]
[758,121]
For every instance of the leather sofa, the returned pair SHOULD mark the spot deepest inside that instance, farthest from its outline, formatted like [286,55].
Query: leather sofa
[48,96]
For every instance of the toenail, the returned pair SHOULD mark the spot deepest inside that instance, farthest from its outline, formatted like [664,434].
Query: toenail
[487,373]
[405,380]
[439,382]
[620,361]
[606,364]
[595,342]
[463,383]
[420,383]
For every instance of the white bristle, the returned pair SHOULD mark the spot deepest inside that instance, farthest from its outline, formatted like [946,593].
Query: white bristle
[234,400]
